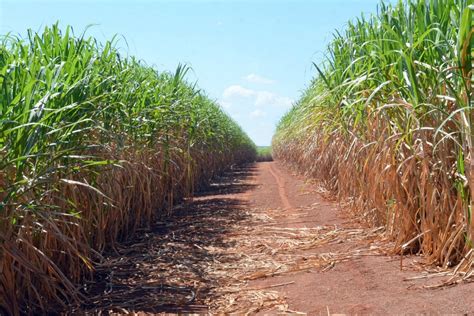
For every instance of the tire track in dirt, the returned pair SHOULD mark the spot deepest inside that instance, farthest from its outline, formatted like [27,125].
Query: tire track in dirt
[261,240]
[367,284]
[281,188]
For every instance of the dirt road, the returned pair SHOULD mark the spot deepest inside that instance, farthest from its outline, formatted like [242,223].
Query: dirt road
[264,241]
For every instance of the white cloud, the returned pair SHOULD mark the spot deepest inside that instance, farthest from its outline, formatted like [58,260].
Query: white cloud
[237,91]
[253,78]
[260,98]
[257,114]
[257,111]
[268,98]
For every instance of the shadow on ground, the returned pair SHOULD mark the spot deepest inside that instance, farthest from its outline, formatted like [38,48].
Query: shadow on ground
[167,268]
[232,182]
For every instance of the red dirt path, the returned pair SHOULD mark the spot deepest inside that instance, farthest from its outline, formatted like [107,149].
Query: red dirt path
[199,250]
[371,284]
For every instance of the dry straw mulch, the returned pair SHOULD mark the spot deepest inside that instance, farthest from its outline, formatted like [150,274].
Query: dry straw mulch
[202,259]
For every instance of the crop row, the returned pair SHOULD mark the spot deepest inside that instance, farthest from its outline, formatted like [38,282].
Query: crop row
[93,145]
[387,125]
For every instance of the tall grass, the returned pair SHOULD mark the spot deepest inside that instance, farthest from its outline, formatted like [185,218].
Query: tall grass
[387,122]
[264,153]
[92,146]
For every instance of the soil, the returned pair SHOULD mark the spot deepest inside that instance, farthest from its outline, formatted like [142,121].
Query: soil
[263,240]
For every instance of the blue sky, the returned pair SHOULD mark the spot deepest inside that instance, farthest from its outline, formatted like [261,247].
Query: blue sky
[253,57]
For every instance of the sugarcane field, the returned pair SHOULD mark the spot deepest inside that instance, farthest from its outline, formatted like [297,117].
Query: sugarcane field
[236,157]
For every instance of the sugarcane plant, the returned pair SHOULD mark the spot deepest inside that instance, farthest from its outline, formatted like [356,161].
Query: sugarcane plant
[93,145]
[386,125]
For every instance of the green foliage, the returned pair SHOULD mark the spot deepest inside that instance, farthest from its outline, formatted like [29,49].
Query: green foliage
[82,128]
[264,153]
[65,98]
[388,118]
